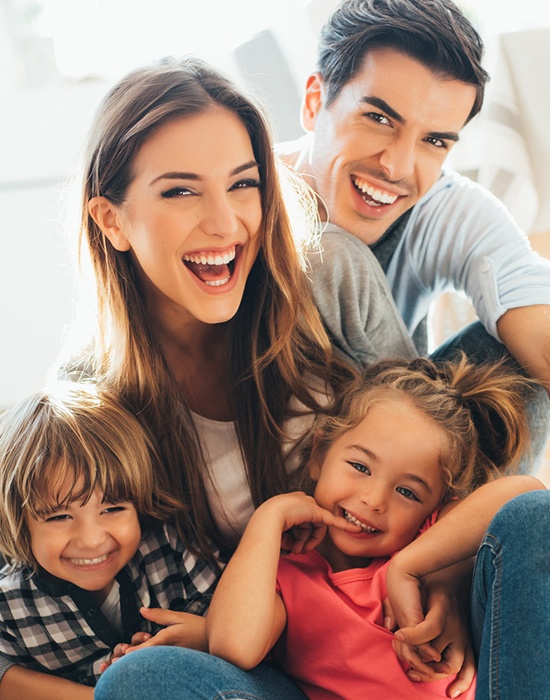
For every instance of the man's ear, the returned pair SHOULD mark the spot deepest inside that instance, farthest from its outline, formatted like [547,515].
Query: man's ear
[106,216]
[313,100]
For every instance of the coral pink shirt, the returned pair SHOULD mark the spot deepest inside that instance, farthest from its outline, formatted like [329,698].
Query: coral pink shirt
[334,644]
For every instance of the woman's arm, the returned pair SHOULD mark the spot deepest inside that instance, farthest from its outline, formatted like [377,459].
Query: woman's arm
[247,616]
[20,682]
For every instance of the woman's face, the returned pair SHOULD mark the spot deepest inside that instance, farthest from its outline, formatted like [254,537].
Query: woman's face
[192,215]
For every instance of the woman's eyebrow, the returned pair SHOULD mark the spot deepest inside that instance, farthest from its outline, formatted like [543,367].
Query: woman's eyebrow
[182,175]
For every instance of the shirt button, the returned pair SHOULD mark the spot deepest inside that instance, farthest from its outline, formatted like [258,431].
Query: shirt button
[485,266]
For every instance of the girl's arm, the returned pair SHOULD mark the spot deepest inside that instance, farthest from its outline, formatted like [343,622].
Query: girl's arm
[246,616]
[20,682]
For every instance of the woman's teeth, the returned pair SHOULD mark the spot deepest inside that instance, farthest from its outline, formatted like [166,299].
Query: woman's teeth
[210,258]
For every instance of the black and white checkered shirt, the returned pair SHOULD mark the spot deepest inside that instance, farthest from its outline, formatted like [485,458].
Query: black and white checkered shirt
[53,626]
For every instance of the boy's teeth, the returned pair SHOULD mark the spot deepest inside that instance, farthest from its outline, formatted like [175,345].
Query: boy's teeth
[89,562]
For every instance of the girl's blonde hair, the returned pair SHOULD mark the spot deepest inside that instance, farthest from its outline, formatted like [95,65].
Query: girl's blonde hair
[278,346]
[59,445]
[479,409]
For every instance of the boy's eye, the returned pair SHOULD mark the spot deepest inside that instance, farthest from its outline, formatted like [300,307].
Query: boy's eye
[404,491]
[360,467]
[56,518]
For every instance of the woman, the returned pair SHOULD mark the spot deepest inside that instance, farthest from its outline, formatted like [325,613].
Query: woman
[205,323]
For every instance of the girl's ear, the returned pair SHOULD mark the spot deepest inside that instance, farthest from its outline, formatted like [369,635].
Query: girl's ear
[106,216]
[315,468]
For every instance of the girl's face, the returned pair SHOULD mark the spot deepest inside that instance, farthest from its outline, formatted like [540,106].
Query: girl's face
[191,218]
[86,544]
[383,475]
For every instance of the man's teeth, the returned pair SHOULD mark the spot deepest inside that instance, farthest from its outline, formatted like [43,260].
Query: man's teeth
[89,562]
[373,193]
[210,259]
[352,519]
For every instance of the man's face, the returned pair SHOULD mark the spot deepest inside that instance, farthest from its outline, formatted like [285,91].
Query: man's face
[380,145]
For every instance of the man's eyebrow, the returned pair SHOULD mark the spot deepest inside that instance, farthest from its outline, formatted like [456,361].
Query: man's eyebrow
[390,111]
[181,175]
[384,106]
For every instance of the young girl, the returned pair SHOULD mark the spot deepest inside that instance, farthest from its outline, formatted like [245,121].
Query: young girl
[81,524]
[401,450]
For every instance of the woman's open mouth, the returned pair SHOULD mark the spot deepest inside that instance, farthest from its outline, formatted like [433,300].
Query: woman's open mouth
[213,268]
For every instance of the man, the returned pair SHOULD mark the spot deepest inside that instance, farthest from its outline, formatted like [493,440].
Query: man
[396,82]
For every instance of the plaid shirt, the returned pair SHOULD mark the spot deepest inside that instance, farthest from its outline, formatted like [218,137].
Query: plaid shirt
[53,626]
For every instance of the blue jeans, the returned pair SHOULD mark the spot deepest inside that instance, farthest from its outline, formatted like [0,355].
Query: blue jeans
[173,673]
[480,347]
[510,612]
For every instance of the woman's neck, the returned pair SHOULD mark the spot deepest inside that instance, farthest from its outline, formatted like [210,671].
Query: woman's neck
[198,357]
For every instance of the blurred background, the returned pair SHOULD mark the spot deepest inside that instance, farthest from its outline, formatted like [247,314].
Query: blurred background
[59,57]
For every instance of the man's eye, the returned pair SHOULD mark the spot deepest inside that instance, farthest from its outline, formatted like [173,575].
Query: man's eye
[438,143]
[379,118]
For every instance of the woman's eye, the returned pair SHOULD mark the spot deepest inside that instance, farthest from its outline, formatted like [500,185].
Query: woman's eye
[245,184]
[177,192]
[407,493]
[360,467]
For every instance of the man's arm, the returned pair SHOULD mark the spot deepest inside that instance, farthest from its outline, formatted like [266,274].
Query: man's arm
[526,333]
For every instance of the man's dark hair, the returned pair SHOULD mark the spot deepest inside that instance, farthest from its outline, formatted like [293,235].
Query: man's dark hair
[434,32]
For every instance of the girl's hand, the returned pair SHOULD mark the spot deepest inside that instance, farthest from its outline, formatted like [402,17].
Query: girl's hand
[303,522]
[181,630]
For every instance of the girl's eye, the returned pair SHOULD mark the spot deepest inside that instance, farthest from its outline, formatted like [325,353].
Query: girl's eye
[407,493]
[177,192]
[360,467]
[245,184]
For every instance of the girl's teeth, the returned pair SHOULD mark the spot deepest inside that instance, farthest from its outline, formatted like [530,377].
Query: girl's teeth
[352,519]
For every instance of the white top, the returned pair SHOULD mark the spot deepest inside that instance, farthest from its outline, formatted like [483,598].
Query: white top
[228,491]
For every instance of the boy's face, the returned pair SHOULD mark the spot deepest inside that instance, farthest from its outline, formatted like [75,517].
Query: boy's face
[86,544]
[379,147]
[383,475]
